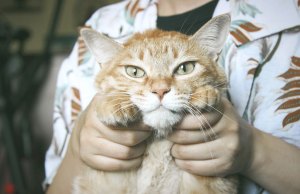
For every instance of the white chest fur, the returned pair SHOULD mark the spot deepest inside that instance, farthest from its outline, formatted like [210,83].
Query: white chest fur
[161,120]
[158,173]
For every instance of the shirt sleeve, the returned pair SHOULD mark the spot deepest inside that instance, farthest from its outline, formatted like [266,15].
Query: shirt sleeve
[62,117]
[74,90]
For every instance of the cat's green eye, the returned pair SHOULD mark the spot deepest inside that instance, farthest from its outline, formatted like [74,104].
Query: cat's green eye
[185,68]
[135,72]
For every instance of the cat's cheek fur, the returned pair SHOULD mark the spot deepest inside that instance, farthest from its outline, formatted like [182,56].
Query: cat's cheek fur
[161,120]
[111,112]
[204,97]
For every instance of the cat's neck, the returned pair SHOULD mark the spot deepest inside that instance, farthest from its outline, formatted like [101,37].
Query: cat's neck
[173,7]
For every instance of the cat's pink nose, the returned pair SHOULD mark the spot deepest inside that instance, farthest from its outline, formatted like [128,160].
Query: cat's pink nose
[161,92]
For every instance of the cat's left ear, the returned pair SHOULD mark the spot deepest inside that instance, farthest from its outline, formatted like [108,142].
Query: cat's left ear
[213,34]
[102,47]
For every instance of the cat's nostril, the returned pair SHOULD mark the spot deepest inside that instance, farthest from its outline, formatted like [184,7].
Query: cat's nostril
[160,92]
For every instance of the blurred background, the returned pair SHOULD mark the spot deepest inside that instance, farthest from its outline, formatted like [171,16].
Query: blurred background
[35,36]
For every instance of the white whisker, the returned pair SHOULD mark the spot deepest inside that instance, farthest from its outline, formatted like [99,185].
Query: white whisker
[198,112]
[123,107]
[212,107]
[192,112]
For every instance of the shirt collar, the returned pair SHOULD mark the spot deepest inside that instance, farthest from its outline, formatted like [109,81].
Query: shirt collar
[255,19]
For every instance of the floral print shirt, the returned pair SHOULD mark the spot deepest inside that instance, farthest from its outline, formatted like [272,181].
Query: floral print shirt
[261,59]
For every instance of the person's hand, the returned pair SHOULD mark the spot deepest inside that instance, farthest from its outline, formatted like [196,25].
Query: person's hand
[105,147]
[219,143]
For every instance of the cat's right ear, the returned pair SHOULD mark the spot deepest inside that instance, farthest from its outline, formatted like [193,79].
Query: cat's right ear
[212,36]
[102,47]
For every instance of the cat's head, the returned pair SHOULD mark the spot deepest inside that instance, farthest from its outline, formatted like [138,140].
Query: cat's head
[164,74]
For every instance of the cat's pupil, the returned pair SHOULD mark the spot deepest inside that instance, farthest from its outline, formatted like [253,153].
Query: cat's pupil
[134,72]
[183,68]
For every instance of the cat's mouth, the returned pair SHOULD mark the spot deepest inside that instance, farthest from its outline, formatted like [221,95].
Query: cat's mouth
[161,108]
[161,120]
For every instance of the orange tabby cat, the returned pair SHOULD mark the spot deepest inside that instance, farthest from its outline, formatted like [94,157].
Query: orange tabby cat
[158,77]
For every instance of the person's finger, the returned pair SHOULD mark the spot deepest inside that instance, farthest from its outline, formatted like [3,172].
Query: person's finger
[227,123]
[204,151]
[125,137]
[102,146]
[135,126]
[205,120]
[215,167]
[100,162]
[193,136]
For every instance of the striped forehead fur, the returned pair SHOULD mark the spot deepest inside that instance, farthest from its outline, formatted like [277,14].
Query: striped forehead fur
[158,47]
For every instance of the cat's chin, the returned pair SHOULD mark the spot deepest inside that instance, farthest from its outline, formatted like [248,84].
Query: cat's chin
[161,120]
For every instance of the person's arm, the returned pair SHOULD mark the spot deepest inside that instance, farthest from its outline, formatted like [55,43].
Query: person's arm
[233,146]
[275,164]
[70,165]
[69,168]
[101,147]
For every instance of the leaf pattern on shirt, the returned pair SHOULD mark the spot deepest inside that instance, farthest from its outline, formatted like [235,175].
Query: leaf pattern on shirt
[291,85]
[290,94]
[267,50]
[293,103]
[291,117]
[83,53]
[291,73]
[254,63]
[296,60]
[241,30]
[291,97]
[131,10]
[246,8]
[75,104]
[61,119]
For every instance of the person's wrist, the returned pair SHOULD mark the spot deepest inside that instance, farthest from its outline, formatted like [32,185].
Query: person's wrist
[257,158]
[75,136]
[74,144]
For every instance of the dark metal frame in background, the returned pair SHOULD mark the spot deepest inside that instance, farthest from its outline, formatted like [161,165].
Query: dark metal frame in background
[19,88]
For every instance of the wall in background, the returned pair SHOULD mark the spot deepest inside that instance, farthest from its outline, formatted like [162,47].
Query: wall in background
[36,17]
